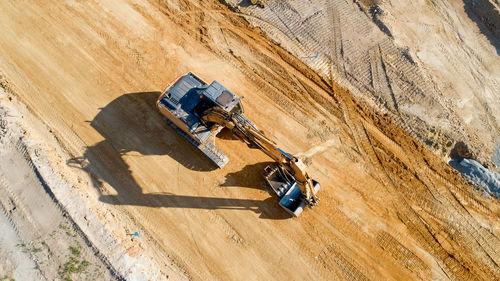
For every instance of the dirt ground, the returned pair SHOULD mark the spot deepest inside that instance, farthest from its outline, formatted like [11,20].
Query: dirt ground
[435,72]
[38,242]
[48,231]
[390,209]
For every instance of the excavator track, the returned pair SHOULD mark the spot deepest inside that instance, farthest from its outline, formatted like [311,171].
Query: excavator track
[207,148]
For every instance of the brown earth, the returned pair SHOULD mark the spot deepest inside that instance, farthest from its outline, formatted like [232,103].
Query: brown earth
[435,72]
[390,209]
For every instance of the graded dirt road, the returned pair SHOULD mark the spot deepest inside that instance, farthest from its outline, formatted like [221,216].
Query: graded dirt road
[389,210]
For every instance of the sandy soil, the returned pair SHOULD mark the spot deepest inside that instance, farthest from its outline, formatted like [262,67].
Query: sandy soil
[435,72]
[48,231]
[39,241]
[390,209]
[458,45]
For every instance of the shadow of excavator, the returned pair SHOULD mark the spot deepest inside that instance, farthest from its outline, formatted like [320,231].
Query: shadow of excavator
[130,123]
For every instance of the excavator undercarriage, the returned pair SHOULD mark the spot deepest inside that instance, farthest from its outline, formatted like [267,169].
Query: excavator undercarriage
[197,111]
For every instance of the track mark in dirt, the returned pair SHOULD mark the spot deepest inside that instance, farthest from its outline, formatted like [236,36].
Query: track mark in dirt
[403,255]
[378,188]
[227,228]
[348,267]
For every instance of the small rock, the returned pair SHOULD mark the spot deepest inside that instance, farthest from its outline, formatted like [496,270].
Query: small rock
[461,150]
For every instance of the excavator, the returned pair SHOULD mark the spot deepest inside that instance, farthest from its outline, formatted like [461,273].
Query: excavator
[198,112]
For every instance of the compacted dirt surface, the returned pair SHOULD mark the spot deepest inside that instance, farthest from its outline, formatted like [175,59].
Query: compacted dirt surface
[91,70]
[433,66]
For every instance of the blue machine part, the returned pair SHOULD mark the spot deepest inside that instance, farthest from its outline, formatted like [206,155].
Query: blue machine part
[286,154]
[292,201]
[191,99]
[182,87]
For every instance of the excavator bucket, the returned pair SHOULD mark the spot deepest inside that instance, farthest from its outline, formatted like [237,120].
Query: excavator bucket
[285,187]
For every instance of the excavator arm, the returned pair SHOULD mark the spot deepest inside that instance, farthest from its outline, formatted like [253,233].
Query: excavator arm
[290,167]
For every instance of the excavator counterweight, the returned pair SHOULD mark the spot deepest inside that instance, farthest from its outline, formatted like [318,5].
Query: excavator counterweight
[198,111]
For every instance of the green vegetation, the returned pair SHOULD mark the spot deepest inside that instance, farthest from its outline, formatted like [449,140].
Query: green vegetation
[36,250]
[26,249]
[7,278]
[74,251]
[74,265]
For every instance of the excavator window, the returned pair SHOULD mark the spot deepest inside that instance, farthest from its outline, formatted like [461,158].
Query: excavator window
[225,98]
[237,109]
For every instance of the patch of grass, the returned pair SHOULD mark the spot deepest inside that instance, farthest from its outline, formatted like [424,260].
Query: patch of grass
[83,265]
[74,251]
[36,250]
[74,265]
[7,278]
[71,266]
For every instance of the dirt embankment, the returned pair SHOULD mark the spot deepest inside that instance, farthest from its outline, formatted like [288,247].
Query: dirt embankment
[390,209]
[441,88]
[39,240]
[48,232]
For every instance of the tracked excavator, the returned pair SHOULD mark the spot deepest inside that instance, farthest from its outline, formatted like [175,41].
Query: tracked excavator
[198,111]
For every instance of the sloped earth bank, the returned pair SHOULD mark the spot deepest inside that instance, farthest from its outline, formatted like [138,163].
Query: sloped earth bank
[37,241]
[433,66]
[390,209]
[48,232]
